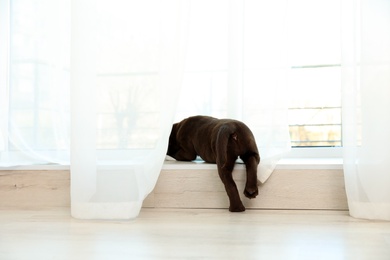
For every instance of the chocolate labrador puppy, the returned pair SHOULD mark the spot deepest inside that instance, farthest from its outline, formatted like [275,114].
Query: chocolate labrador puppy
[219,141]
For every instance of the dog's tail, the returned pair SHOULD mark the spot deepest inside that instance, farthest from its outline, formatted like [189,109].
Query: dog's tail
[225,133]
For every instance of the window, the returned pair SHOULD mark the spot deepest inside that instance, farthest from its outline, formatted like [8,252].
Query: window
[312,54]
[314,74]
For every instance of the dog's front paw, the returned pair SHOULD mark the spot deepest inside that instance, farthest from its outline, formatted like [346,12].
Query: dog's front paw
[236,208]
[251,193]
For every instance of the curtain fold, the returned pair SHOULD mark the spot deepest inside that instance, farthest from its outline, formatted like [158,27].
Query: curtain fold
[265,80]
[366,95]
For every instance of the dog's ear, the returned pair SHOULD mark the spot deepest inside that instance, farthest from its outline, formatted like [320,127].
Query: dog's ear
[224,134]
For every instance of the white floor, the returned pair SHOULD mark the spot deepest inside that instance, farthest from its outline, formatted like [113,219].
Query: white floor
[193,234]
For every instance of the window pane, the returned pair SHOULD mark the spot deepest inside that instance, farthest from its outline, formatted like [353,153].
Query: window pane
[315,87]
[315,106]
[315,127]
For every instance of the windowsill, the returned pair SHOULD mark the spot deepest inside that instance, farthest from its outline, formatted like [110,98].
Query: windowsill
[311,163]
[36,167]
[284,164]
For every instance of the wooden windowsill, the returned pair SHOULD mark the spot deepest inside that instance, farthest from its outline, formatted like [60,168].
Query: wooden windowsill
[187,185]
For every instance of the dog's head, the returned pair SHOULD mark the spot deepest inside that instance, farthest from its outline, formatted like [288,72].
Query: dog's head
[173,146]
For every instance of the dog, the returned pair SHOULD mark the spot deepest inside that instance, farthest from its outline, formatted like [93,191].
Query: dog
[219,141]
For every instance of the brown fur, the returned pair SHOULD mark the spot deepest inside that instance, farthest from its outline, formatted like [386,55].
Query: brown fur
[219,141]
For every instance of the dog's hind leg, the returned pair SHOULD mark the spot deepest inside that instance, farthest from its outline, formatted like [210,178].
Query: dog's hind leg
[225,173]
[251,188]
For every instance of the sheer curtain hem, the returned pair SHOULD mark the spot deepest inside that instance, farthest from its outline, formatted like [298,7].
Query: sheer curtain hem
[369,210]
[106,210]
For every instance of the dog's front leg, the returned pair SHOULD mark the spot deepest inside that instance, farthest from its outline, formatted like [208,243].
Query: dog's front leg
[225,173]
[183,155]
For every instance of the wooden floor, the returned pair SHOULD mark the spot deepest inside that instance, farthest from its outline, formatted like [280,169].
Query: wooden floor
[193,234]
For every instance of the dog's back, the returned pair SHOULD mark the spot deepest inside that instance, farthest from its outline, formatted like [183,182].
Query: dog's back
[215,140]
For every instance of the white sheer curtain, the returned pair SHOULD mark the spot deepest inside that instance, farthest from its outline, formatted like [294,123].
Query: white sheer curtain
[237,66]
[366,106]
[125,79]
[124,58]
[123,61]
